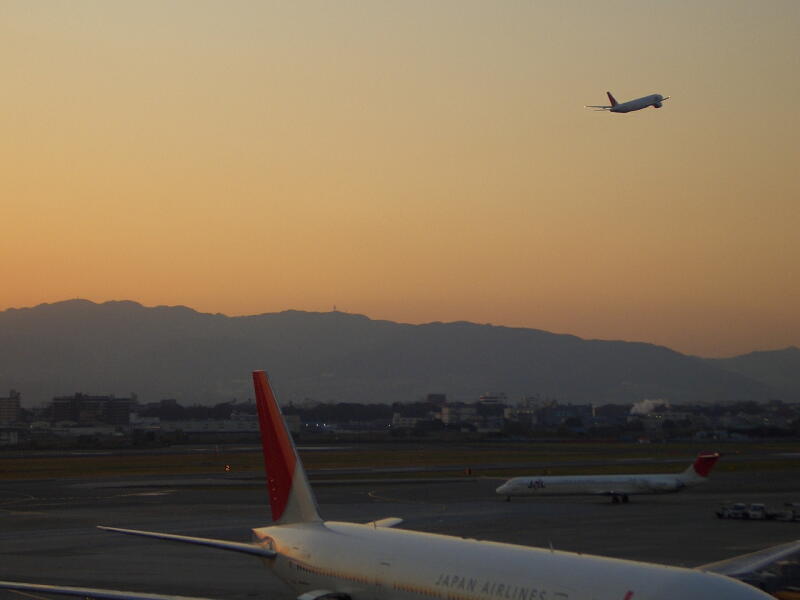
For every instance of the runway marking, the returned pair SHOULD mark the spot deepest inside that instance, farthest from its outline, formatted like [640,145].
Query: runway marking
[158,493]
[20,499]
[28,594]
[33,501]
[22,513]
[374,495]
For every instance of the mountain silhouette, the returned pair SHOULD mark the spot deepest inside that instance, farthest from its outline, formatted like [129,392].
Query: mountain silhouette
[779,369]
[161,352]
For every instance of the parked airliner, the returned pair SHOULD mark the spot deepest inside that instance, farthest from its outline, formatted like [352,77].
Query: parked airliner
[618,487]
[654,100]
[325,560]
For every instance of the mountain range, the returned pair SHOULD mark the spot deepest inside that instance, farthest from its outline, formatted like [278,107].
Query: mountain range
[122,347]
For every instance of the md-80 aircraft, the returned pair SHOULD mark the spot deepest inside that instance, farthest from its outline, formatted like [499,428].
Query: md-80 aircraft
[654,100]
[327,560]
[618,487]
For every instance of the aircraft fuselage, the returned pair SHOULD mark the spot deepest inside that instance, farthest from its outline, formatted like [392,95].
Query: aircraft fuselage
[592,484]
[653,100]
[378,563]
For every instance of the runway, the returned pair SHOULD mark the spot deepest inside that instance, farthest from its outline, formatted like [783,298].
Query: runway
[48,534]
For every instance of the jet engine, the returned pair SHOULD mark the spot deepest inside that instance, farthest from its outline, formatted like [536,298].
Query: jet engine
[657,105]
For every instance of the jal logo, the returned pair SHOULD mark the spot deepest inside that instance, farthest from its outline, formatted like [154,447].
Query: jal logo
[536,484]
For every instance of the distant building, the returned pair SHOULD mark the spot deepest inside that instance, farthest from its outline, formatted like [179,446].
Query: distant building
[459,413]
[401,421]
[491,410]
[610,415]
[564,414]
[9,437]
[211,425]
[487,415]
[524,411]
[9,408]
[408,416]
[436,399]
[83,409]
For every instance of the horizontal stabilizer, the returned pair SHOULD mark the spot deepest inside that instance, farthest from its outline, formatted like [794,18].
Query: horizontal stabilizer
[387,522]
[88,592]
[219,544]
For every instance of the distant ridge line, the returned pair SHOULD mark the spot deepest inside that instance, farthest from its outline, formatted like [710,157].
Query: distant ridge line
[123,347]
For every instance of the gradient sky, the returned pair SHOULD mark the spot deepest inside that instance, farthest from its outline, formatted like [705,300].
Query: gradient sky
[411,160]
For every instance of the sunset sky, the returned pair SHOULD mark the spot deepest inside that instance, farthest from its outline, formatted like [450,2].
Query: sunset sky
[411,160]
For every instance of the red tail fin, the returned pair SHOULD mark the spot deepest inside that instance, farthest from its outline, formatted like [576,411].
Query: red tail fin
[611,99]
[290,495]
[704,462]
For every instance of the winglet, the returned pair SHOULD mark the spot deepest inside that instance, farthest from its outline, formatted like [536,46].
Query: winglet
[387,522]
[290,495]
[611,99]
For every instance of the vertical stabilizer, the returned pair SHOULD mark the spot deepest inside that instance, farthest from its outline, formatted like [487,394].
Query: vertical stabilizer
[611,99]
[699,470]
[290,495]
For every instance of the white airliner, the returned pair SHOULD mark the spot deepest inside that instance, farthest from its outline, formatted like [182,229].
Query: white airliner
[618,487]
[654,100]
[325,560]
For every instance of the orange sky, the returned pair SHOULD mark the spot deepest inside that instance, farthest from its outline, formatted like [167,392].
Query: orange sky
[411,161]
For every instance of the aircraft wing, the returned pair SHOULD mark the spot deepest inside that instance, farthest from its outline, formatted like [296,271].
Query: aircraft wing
[219,544]
[22,587]
[748,564]
[593,106]
[62,590]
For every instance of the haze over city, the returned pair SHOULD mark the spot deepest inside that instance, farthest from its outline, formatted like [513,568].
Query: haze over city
[411,161]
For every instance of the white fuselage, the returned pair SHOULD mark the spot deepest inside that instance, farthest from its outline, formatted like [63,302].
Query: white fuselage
[653,100]
[593,484]
[377,563]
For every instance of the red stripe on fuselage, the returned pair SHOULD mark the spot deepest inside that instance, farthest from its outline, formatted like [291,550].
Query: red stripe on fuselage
[279,457]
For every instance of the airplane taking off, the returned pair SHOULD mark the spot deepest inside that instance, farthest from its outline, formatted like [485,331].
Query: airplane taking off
[654,100]
[619,487]
[326,560]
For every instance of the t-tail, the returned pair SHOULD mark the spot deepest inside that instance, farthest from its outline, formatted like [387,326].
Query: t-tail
[290,495]
[611,99]
[699,470]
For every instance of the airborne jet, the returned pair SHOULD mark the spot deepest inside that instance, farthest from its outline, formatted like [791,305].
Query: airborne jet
[654,100]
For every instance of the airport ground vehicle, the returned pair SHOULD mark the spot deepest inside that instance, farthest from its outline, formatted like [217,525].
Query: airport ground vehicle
[737,510]
[756,511]
[790,512]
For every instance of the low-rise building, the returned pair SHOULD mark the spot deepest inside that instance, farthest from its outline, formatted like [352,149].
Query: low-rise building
[10,408]
[87,410]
